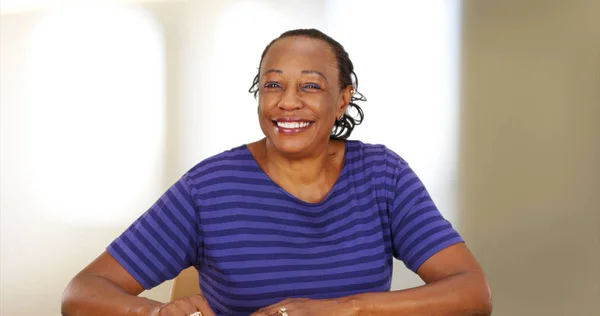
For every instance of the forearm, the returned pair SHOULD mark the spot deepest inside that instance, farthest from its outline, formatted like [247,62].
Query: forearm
[96,296]
[459,295]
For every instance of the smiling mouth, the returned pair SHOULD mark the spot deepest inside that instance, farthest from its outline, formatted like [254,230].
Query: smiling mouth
[291,126]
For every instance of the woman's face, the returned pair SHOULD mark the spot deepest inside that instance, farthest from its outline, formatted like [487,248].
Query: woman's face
[299,95]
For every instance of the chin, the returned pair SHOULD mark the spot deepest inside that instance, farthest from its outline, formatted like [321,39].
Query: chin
[293,142]
[290,146]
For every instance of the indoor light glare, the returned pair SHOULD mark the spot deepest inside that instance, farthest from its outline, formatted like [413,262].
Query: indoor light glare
[95,102]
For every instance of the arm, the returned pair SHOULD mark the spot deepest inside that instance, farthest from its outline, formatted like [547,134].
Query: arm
[105,288]
[429,246]
[455,286]
[160,244]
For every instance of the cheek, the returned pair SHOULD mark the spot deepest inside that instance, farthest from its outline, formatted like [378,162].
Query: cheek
[262,111]
[267,101]
[263,115]
[260,104]
[329,108]
[320,103]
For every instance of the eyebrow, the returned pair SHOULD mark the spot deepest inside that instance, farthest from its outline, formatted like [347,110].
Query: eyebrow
[314,72]
[304,72]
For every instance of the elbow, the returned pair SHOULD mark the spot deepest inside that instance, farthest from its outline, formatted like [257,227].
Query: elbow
[475,296]
[69,299]
[66,302]
[487,305]
[482,300]
[484,308]
[65,308]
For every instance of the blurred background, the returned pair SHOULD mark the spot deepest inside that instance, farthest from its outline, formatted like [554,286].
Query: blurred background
[495,104]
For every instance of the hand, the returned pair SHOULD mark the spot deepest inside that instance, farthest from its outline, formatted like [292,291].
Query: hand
[184,307]
[309,307]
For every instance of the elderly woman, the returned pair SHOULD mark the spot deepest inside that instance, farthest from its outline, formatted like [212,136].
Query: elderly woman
[302,222]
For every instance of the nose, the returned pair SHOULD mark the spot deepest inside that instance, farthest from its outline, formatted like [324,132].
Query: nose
[290,100]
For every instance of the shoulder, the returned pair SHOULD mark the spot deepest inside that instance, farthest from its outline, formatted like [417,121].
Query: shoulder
[226,163]
[375,165]
[374,154]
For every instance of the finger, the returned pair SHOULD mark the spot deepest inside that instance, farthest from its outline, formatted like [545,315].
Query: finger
[201,304]
[265,313]
[184,307]
[171,309]
[274,309]
[187,306]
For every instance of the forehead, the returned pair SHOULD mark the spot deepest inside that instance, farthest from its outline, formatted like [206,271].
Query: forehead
[300,53]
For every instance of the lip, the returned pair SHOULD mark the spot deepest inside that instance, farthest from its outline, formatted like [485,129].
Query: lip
[292,119]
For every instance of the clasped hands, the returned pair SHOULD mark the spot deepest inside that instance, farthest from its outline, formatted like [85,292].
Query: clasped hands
[309,307]
[293,307]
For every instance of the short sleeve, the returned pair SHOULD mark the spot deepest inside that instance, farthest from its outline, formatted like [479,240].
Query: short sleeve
[418,228]
[163,241]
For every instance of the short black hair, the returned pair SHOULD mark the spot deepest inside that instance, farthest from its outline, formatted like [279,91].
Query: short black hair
[347,77]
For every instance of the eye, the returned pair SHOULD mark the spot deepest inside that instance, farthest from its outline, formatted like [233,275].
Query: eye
[271,85]
[312,86]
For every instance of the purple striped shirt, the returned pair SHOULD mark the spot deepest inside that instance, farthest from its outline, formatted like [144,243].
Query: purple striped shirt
[255,244]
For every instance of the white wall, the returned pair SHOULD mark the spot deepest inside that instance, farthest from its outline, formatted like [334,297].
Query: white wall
[209,55]
[82,142]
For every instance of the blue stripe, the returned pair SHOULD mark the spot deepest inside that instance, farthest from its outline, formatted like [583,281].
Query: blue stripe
[280,257]
[312,266]
[132,266]
[415,261]
[255,244]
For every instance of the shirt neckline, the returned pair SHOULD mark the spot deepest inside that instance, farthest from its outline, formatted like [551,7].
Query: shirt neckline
[293,197]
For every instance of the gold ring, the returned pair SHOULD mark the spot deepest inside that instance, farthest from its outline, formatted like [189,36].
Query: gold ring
[282,312]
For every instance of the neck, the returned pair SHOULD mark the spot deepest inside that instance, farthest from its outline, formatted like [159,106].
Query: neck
[305,169]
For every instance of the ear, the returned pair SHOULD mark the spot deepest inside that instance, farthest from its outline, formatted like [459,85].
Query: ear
[345,98]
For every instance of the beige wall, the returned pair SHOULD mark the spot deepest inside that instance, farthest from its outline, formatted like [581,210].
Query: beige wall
[530,154]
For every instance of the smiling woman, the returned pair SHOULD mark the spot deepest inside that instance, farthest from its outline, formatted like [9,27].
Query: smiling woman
[343,70]
[302,222]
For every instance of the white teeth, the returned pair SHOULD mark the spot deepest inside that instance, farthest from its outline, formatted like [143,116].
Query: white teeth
[293,124]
